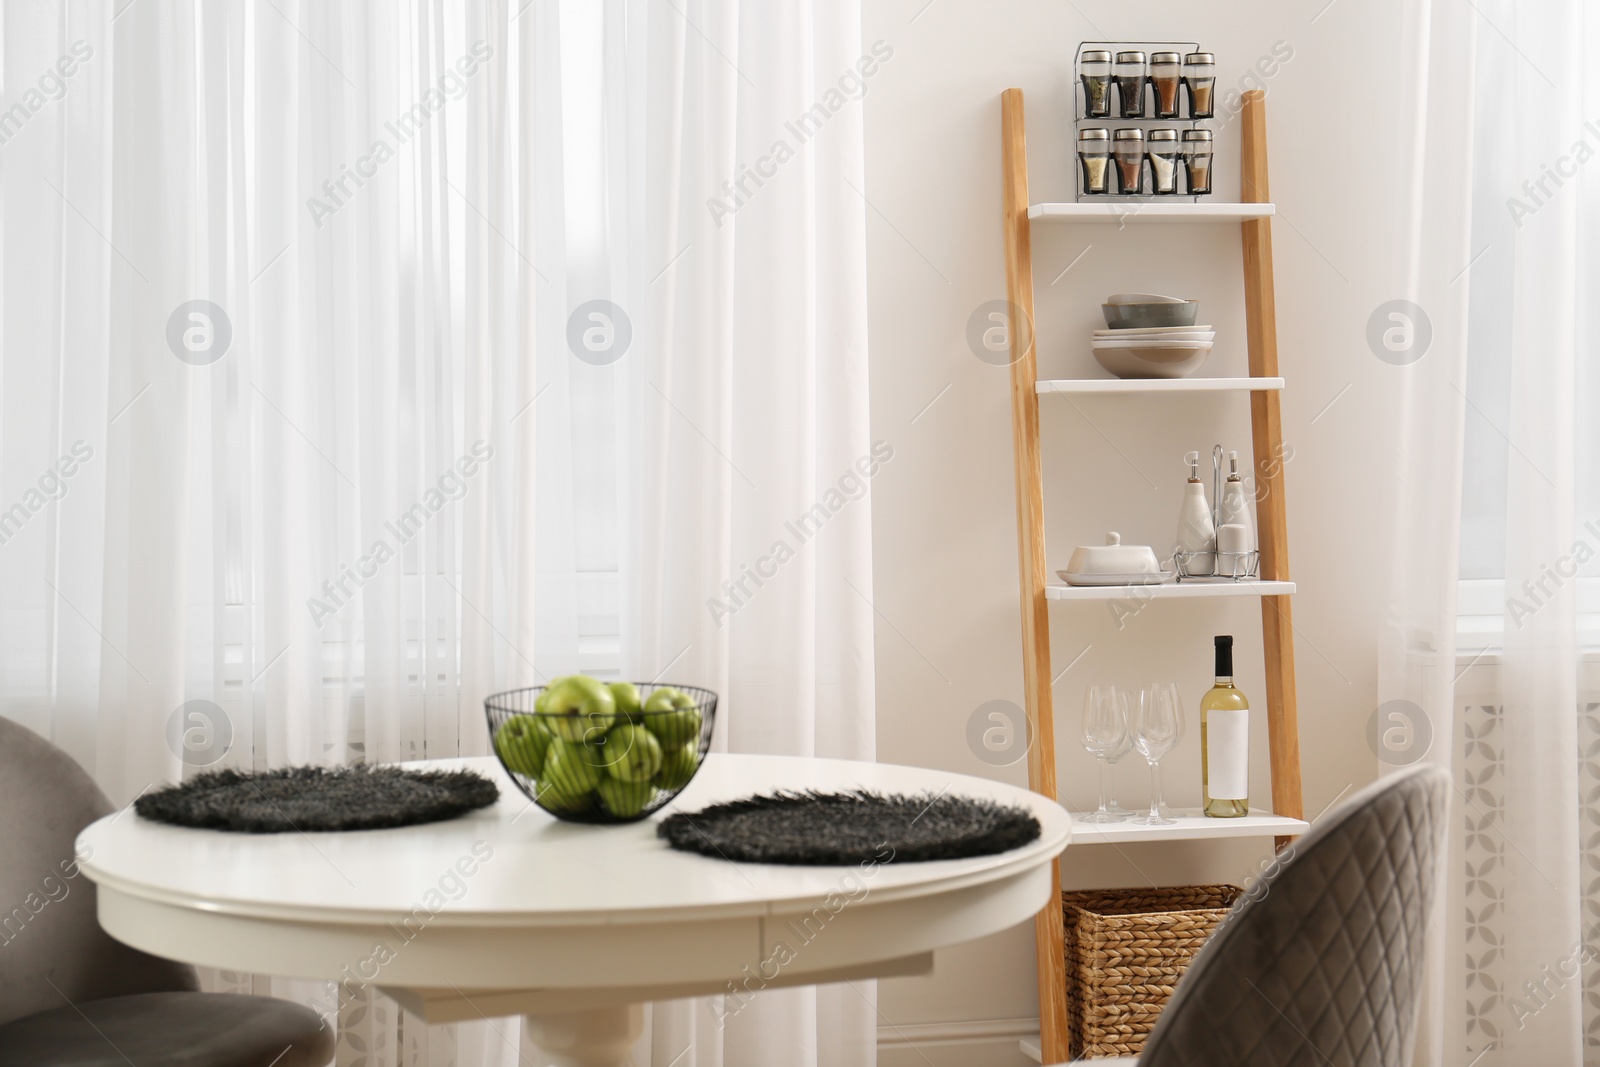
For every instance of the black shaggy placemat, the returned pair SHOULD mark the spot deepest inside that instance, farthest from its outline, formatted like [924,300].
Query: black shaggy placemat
[317,799]
[835,829]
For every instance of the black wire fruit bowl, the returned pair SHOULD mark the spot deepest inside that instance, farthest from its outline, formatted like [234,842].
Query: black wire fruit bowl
[601,752]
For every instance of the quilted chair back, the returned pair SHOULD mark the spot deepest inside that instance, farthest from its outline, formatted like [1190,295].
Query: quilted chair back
[1321,962]
[52,950]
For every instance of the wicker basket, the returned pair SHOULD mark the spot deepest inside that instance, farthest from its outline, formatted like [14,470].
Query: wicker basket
[1126,950]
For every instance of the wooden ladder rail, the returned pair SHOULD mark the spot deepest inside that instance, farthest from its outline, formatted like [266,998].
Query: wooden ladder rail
[1049,934]
[1266,431]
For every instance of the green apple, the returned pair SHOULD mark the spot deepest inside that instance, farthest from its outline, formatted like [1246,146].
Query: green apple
[625,799]
[673,716]
[678,766]
[521,743]
[662,699]
[539,701]
[571,769]
[632,753]
[626,694]
[554,801]
[579,708]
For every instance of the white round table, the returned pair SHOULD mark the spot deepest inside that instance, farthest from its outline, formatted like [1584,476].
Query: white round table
[510,911]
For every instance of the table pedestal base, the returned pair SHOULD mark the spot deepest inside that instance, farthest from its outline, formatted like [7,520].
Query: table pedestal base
[595,1037]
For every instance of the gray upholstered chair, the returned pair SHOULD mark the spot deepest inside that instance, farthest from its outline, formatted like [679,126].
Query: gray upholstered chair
[70,995]
[1321,961]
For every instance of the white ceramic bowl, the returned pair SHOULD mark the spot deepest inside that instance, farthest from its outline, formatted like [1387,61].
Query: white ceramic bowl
[1194,333]
[1185,332]
[1146,298]
[1152,358]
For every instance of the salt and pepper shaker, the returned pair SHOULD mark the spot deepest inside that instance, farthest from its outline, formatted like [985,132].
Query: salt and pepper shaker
[1165,79]
[1131,74]
[1200,79]
[1094,70]
[1094,159]
[1128,146]
[1162,148]
[1233,550]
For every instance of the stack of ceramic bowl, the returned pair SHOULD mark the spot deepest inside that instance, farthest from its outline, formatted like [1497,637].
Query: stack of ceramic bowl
[1151,336]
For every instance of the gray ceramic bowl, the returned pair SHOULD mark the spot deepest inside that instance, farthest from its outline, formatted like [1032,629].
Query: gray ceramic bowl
[1145,316]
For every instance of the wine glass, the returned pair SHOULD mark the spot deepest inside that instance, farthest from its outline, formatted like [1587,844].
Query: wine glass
[1128,699]
[1105,731]
[1158,726]
[1171,690]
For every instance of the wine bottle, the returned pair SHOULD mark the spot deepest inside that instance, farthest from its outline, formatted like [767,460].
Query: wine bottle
[1225,742]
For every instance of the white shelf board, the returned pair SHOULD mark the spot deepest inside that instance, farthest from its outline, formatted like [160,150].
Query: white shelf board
[1032,1047]
[1156,385]
[1191,826]
[1120,211]
[1193,587]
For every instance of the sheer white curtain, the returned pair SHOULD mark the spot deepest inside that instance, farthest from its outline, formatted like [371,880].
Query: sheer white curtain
[1494,446]
[310,436]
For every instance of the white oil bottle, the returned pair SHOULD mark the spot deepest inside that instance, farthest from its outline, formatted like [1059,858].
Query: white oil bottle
[1234,507]
[1236,533]
[1197,531]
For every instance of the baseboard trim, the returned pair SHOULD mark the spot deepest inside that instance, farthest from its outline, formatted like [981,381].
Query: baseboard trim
[961,1032]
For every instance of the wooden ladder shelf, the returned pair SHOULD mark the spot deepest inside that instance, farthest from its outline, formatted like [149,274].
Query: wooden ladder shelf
[1254,216]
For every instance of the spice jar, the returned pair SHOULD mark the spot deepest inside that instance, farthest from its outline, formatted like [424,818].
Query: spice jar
[1162,150]
[1094,160]
[1130,75]
[1197,160]
[1200,78]
[1164,80]
[1094,70]
[1128,145]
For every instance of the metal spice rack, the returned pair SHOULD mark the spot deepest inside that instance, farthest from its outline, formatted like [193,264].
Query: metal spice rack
[1147,123]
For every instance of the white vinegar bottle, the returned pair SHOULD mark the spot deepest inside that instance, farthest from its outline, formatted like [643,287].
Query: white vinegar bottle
[1234,507]
[1197,531]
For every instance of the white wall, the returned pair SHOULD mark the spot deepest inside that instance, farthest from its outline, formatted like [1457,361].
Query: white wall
[944,509]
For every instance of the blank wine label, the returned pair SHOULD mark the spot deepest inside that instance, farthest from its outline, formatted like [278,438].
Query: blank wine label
[1227,754]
